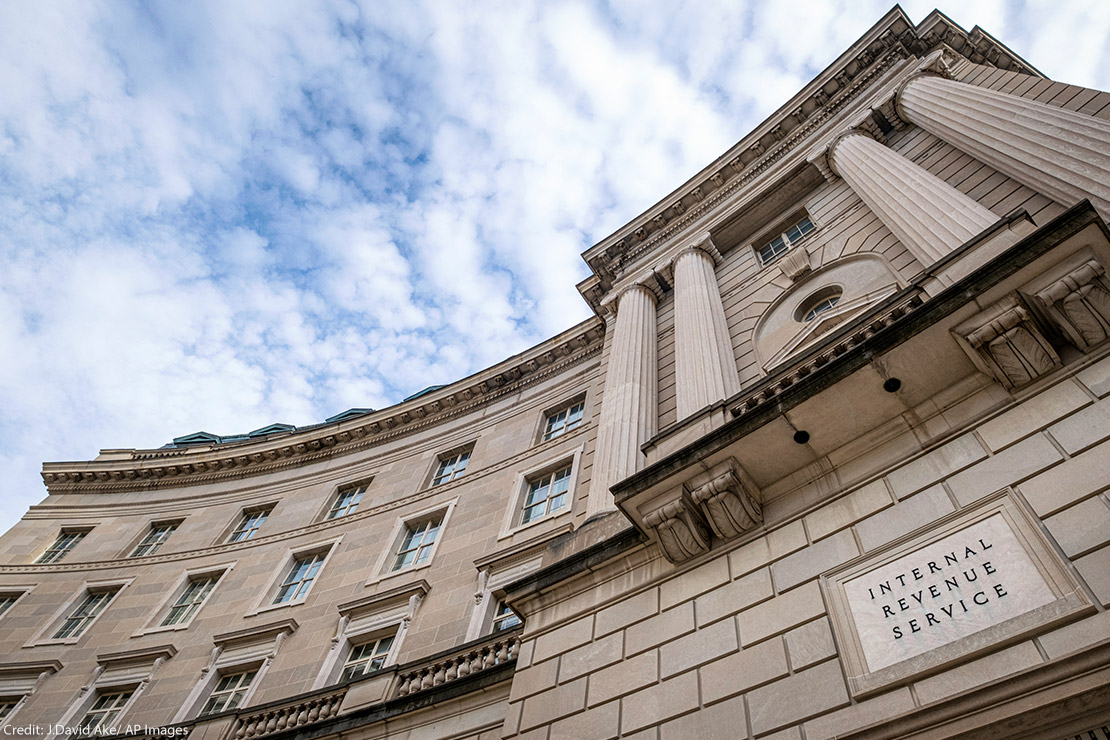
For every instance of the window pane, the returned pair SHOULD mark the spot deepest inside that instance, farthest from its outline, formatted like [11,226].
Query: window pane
[300,578]
[66,541]
[80,618]
[229,692]
[249,525]
[153,540]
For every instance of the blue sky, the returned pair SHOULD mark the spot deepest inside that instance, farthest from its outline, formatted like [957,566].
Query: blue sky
[217,215]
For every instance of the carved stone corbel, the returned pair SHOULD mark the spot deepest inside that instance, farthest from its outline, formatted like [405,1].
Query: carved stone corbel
[679,529]
[727,498]
[1009,344]
[1079,303]
[795,263]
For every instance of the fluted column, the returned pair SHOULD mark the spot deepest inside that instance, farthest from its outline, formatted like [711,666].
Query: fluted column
[629,405]
[705,370]
[927,214]
[1060,153]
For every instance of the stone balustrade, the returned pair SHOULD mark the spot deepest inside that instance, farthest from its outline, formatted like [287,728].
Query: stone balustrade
[471,660]
[288,716]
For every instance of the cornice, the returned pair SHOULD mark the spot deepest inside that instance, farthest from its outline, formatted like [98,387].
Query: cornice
[313,528]
[153,469]
[892,40]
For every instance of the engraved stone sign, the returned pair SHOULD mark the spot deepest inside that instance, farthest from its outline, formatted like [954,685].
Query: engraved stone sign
[975,578]
[961,584]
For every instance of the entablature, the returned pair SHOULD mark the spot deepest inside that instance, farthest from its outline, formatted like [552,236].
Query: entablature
[152,469]
[885,48]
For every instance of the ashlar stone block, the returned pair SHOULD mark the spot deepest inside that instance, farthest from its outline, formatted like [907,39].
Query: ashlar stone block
[732,597]
[659,629]
[798,697]
[776,544]
[1089,426]
[628,611]
[553,704]
[942,462]
[1081,528]
[875,709]
[1009,466]
[1033,414]
[591,657]
[848,510]
[722,721]
[806,564]
[600,723]
[742,671]
[1095,570]
[700,647]
[659,703]
[1071,481]
[780,614]
[1077,636]
[564,638]
[811,643]
[624,678]
[908,515]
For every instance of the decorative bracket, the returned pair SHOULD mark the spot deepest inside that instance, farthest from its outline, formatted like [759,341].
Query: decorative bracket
[1079,303]
[727,498]
[680,531]
[1008,344]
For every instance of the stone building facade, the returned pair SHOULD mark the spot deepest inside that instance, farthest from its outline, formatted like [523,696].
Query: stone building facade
[831,460]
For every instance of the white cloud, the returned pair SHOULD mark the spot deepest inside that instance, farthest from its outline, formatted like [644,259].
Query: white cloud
[219,215]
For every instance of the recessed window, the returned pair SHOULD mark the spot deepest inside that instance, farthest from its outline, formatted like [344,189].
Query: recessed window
[416,547]
[300,578]
[546,493]
[821,301]
[229,692]
[249,525]
[7,706]
[791,236]
[367,657]
[564,420]
[89,608]
[190,600]
[7,601]
[451,466]
[346,502]
[105,711]
[504,618]
[154,539]
[66,541]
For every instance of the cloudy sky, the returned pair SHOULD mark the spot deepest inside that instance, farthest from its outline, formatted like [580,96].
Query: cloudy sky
[217,215]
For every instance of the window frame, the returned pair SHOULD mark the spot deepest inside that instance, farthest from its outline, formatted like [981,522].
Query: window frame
[384,568]
[549,413]
[45,635]
[129,694]
[514,515]
[357,489]
[155,621]
[357,641]
[152,528]
[16,594]
[64,553]
[243,670]
[436,477]
[228,538]
[781,231]
[280,573]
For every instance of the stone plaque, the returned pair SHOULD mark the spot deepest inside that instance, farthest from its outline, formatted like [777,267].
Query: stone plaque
[975,578]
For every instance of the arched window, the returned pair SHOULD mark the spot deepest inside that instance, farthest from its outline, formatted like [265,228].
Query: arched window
[818,303]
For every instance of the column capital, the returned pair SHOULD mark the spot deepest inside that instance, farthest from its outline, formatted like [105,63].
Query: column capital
[647,282]
[830,152]
[934,69]
[702,243]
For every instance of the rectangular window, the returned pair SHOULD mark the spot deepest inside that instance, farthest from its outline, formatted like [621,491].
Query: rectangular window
[346,502]
[791,236]
[89,609]
[367,657]
[249,525]
[451,467]
[504,618]
[6,602]
[229,692]
[416,547]
[190,601]
[546,494]
[153,540]
[7,706]
[300,578]
[66,541]
[105,710]
[564,421]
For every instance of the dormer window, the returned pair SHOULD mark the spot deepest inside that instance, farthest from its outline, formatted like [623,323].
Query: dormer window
[794,234]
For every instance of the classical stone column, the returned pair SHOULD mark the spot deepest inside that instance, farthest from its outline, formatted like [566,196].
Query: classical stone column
[927,214]
[1060,153]
[705,370]
[629,405]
